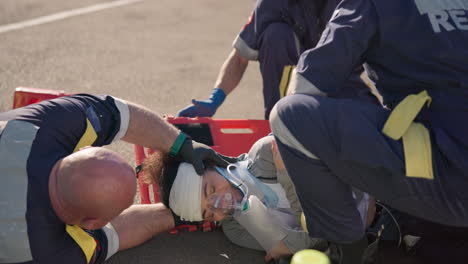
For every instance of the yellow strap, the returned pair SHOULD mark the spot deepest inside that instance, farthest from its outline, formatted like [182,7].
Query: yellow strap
[88,138]
[416,138]
[404,113]
[84,240]
[283,88]
[418,152]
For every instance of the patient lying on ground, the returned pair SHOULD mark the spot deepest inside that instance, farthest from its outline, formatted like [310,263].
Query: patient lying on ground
[254,199]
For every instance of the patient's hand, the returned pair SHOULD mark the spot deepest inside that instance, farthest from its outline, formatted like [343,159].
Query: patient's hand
[279,164]
[280,250]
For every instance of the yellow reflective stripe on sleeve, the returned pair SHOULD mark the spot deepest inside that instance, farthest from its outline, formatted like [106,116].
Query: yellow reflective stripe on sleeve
[367,81]
[404,113]
[304,223]
[283,87]
[84,240]
[418,152]
[88,138]
[416,138]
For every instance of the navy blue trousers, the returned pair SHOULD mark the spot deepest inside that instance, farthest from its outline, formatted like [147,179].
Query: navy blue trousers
[277,50]
[329,145]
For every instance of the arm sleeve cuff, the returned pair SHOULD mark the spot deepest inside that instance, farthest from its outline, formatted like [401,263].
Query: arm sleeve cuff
[244,50]
[124,118]
[300,85]
[112,240]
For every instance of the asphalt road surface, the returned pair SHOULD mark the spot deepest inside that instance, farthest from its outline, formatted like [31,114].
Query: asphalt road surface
[160,54]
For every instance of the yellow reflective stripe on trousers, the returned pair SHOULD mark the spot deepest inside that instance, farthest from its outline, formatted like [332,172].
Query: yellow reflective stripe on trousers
[416,138]
[283,87]
[88,138]
[84,240]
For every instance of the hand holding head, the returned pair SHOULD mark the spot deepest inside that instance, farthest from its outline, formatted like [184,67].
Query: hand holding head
[198,153]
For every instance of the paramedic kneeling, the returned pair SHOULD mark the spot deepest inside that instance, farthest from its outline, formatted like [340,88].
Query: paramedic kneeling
[413,156]
[62,202]
[277,33]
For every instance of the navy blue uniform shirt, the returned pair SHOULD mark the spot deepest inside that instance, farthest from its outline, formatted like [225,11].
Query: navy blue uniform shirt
[407,46]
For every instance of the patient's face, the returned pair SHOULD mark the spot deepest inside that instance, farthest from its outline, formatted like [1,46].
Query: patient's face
[215,184]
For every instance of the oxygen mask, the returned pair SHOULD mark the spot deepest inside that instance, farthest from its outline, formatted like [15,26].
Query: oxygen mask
[224,202]
[241,179]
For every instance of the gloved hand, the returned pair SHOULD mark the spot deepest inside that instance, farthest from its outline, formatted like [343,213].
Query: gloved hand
[197,153]
[206,108]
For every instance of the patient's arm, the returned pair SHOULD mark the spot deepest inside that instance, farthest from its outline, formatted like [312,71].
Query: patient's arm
[277,252]
[139,223]
[238,235]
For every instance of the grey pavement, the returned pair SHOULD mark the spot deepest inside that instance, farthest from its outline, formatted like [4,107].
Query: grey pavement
[160,54]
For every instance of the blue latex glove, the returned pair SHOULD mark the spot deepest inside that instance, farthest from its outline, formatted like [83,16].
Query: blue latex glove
[206,108]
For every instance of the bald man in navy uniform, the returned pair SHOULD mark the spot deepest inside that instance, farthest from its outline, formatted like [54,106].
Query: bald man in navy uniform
[64,198]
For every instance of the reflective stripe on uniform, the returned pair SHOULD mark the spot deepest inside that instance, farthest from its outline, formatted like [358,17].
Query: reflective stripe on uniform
[304,223]
[285,136]
[300,85]
[84,240]
[15,145]
[416,138]
[369,83]
[283,87]
[244,50]
[88,138]
[124,118]
[297,43]
[113,242]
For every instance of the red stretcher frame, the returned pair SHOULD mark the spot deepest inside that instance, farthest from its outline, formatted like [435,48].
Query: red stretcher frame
[230,137]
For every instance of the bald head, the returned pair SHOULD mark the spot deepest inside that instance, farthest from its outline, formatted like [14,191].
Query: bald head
[93,185]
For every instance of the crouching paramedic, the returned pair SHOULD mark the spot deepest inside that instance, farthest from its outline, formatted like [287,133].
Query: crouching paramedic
[62,202]
[413,156]
[254,199]
[277,33]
